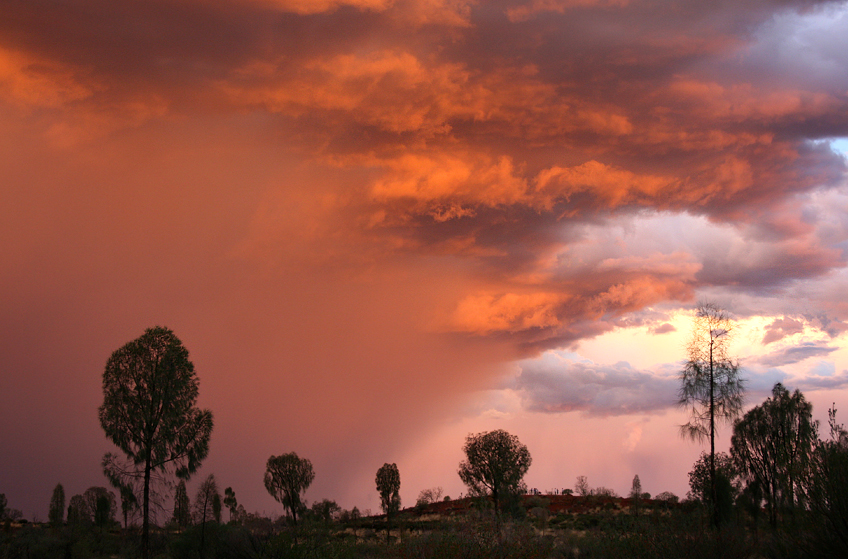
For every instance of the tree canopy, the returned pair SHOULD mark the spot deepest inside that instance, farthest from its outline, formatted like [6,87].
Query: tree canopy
[495,465]
[287,477]
[773,444]
[388,486]
[149,411]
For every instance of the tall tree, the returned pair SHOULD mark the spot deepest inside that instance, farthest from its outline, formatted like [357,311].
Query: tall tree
[3,503]
[388,486]
[207,507]
[636,494]
[711,389]
[230,502]
[182,506]
[287,477]
[773,446]
[149,394]
[56,513]
[495,465]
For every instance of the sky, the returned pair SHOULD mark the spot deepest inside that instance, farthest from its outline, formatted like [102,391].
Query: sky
[379,226]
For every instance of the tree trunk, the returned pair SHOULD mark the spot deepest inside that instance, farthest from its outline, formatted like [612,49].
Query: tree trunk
[145,523]
[713,492]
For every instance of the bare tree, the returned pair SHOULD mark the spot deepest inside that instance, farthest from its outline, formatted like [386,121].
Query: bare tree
[711,389]
[582,486]
[207,507]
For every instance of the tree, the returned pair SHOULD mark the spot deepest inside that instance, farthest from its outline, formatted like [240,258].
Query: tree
[700,488]
[182,506]
[231,503]
[582,486]
[287,477]
[77,511]
[96,505]
[207,507]
[326,510]
[826,492]
[56,513]
[149,394]
[636,493]
[129,502]
[495,465]
[428,496]
[773,446]
[3,503]
[207,503]
[100,505]
[388,485]
[711,389]
[667,497]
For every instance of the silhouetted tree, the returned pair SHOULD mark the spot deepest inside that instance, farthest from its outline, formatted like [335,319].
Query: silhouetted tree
[700,488]
[182,506]
[773,444]
[231,503]
[207,507]
[56,513]
[326,510]
[388,486]
[77,511]
[636,493]
[129,502]
[826,492]
[428,496]
[286,478]
[495,465]
[711,389]
[100,505]
[3,504]
[582,486]
[667,497]
[149,395]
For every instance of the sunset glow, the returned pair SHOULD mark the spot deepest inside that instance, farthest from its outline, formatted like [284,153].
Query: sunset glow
[381,225]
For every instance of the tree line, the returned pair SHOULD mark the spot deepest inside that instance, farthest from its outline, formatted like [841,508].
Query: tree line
[777,460]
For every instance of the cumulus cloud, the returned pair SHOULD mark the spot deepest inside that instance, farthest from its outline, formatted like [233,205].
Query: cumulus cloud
[558,382]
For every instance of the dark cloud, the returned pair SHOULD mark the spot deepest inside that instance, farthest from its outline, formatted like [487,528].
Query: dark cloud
[555,384]
[355,201]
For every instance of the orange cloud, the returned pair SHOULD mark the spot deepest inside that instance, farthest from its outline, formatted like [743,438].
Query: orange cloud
[488,313]
[526,11]
[33,81]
